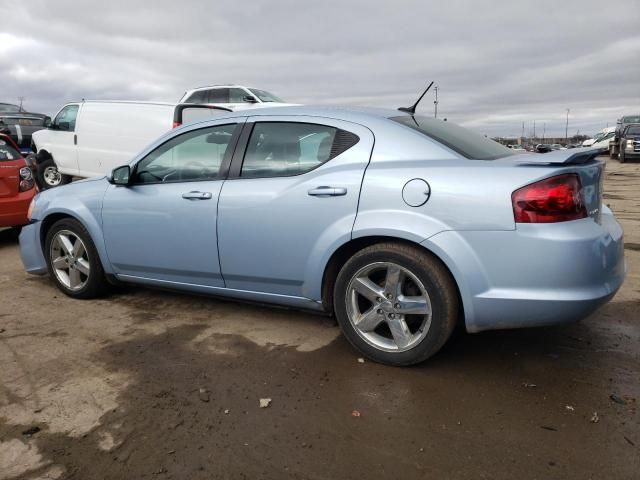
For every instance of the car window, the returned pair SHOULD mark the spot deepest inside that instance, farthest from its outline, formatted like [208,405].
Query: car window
[195,155]
[236,95]
[634,130]
[467,143]
[219,95]
[281,149]
[198,97]
[266,96]
[66,118]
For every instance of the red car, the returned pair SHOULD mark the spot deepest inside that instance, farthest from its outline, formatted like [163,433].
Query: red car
[17,185]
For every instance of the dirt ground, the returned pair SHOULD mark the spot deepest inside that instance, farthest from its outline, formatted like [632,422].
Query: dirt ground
[149,384]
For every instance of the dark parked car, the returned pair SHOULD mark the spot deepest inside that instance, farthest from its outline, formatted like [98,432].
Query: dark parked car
[630,143]
[543,148]
[20,125]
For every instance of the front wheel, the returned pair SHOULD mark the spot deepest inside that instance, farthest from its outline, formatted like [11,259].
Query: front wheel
[72,260]
[396,303]
[48,176]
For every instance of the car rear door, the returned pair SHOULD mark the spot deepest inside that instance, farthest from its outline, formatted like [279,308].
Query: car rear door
[292,195]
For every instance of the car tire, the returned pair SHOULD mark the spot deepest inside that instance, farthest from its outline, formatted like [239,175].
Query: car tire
[396,324]
[75,267]
[47,174]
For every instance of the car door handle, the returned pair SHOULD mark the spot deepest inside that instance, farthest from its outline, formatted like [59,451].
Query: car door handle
[197,195]
[327,191]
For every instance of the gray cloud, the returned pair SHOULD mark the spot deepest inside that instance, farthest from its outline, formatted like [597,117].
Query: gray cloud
[497,63]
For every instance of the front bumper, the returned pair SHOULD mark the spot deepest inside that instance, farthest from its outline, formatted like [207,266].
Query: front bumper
[31,249]
[538,274]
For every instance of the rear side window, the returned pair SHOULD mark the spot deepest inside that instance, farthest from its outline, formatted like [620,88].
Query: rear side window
[198,97]
[465,142]
[219,95]
[282,149]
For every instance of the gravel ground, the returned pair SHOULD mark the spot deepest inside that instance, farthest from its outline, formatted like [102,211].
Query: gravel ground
[149,384]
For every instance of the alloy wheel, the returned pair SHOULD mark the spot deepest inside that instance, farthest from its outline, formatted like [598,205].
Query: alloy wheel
[52,176]
[388,306]
[69,260]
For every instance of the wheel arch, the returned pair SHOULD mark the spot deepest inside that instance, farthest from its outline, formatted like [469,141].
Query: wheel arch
[53,217]
[348,249]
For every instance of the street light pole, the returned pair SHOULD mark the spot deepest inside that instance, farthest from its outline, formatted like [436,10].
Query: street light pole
[566,127]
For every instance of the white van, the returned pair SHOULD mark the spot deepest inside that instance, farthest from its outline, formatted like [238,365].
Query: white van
[91,138]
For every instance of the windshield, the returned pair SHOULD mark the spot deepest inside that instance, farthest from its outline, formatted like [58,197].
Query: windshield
[467,143]
[633,119]
[7,152]
[7,107]
[266,96]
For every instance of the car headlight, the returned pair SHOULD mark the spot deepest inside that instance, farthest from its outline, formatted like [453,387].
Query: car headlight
[629,144]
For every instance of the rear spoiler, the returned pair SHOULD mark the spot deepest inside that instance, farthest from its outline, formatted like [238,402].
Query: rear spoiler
[574,156]
[181,107]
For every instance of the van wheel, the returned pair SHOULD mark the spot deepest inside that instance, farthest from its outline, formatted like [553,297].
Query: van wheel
[395,303]
[48,176]
[621,156]
[73,261]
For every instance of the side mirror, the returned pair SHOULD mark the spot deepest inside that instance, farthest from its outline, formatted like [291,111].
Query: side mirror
[249,99]
[120,175]
[47,122]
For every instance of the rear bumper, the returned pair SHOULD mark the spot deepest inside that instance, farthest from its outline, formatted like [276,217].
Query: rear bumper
[13,210]
[539,274]
[31,249]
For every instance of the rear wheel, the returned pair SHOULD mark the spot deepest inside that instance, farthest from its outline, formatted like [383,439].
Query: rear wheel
[48,176]
[396,303]
[73,260]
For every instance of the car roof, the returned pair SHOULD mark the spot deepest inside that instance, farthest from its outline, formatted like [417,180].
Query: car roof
[353,114]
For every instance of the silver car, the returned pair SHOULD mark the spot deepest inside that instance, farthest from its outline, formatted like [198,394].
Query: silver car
[401,226]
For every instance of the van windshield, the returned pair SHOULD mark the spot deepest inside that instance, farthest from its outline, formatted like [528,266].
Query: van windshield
[467,143]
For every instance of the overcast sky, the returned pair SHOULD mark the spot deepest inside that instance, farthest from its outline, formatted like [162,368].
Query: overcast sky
[497,63]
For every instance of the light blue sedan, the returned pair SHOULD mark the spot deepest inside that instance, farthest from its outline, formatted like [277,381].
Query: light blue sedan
[401,226]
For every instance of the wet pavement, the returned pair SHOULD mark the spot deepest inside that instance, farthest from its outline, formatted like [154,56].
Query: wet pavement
[150,384]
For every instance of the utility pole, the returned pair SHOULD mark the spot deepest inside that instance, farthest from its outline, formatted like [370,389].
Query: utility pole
[544,130]
[435,103]
[522,137]
[534,129]
[21,100]
[566,127]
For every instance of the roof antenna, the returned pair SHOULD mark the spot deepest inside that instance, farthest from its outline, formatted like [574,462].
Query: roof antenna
[412,109]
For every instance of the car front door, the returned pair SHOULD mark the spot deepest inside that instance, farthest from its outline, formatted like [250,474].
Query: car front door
[62,139]
[162,226]
[292,194]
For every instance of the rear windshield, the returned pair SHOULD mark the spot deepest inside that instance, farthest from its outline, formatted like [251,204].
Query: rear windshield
[465,142]
[7,152]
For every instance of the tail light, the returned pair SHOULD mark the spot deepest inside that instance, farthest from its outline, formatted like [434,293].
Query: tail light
[555,199]
[176,124]
[26,179]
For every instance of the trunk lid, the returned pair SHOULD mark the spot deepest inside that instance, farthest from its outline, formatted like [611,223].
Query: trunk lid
[581,161]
